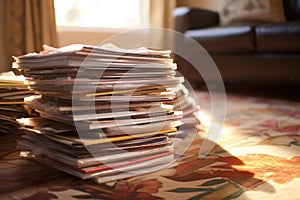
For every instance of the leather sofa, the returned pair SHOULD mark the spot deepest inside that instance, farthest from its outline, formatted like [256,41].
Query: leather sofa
[248,52]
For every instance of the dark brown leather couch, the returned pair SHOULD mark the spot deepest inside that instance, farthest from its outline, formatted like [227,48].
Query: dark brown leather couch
[251,53]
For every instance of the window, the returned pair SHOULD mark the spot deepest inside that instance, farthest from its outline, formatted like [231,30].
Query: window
[121,14]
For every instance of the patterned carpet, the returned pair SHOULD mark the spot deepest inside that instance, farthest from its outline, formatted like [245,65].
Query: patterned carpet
[257,156]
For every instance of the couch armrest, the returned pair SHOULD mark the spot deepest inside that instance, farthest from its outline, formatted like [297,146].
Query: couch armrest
[186,18]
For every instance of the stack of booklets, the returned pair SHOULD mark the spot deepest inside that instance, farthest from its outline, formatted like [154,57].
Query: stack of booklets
[106,113]
[12,105]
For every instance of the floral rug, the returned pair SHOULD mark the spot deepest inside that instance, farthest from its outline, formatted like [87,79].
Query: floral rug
[257,156]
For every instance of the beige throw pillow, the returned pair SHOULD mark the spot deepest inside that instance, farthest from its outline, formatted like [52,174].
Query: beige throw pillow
[251,10]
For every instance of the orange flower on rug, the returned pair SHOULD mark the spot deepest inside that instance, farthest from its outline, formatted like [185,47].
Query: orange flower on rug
[248,171]
[280,170]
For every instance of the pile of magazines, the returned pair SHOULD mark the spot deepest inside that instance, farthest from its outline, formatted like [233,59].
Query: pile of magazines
[12,105]
[106,113]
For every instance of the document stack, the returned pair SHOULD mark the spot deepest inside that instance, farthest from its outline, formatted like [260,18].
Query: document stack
[106,113]
[12,106]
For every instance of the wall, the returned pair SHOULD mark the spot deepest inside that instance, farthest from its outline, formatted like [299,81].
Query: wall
[83,36]
[206,4]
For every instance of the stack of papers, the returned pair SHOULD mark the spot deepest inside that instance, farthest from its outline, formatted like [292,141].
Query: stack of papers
[106,113]
[12,106]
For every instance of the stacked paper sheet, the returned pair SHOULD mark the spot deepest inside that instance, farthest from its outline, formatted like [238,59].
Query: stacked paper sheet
[12,106]
[106,113]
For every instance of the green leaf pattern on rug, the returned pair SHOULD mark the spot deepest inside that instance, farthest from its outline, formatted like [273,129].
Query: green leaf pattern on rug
[212,189]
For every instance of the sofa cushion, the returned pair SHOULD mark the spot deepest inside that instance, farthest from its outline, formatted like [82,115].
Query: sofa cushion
[251,10]
[278,38]
[225,39]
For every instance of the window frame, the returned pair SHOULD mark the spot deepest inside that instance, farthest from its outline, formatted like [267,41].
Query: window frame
[95,35]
